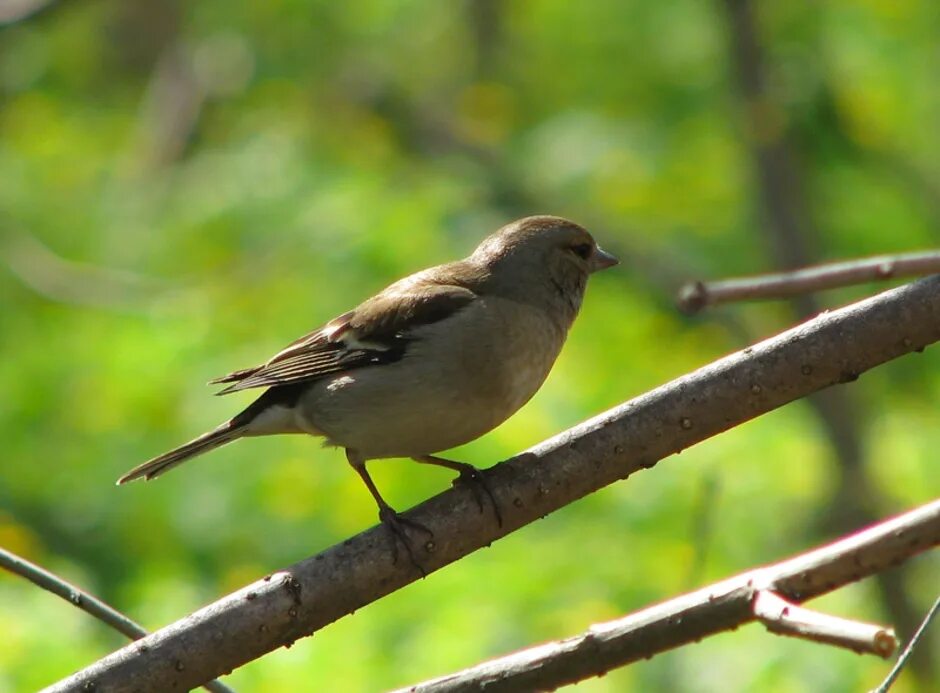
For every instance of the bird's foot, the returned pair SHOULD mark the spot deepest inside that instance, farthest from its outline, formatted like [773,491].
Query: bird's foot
[397,526]
[473,477]
[470,476]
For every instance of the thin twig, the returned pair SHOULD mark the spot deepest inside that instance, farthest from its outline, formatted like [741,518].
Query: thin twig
[696,296]
[908,651]
[73,595]
[786,618]
[83,600]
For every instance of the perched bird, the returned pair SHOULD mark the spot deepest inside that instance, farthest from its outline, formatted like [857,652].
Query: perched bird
[435,360]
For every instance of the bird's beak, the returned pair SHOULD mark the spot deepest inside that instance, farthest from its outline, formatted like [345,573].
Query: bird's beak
[601,260]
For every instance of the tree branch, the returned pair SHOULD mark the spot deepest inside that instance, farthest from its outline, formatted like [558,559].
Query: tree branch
[832,348]
[720,607]
[88,603]
[698,295]
[785,618]
[70,593]
[793,233]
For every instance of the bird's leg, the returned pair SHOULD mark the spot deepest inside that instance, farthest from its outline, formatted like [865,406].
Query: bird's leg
[390,519]
[469,475]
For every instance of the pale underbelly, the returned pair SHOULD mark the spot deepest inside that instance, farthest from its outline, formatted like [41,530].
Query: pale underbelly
[378,421]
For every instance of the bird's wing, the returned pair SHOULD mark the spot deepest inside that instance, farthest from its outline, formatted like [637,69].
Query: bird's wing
[376,332]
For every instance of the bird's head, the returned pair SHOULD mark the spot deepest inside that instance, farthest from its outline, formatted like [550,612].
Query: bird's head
[543,258]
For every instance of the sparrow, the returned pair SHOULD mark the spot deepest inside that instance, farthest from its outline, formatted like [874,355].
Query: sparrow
[433,361]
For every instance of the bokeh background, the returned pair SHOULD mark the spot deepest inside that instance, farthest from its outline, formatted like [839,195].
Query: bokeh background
[186,187]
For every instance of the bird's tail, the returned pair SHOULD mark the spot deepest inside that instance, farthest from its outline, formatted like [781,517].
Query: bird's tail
[217,437]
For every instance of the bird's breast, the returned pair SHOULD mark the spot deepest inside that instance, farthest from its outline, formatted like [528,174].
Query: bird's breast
[524,354]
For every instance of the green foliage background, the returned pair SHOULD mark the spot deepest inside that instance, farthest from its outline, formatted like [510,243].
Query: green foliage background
[186,187]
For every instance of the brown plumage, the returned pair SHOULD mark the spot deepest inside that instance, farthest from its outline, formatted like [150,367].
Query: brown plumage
[431,362]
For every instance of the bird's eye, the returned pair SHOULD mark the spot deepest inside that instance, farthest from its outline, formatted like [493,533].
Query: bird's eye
[582,250]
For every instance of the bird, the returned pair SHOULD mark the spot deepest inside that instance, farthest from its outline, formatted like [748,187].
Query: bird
[433,361]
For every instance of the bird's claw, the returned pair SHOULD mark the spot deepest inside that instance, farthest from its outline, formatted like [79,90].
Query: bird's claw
[473,477]
[397,526]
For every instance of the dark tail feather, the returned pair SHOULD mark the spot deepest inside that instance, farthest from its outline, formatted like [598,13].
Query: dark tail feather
[235,376]
[225,433]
